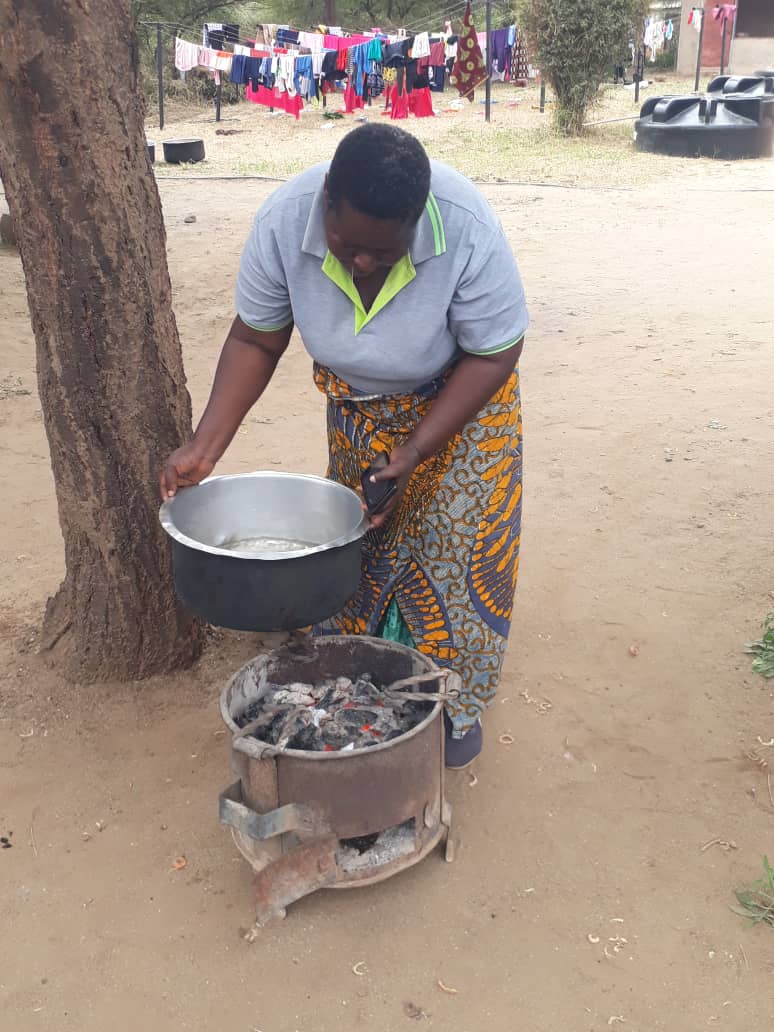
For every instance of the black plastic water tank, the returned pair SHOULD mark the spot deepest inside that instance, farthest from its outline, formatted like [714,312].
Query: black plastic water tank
[757,85]
[727,127]
[176,152]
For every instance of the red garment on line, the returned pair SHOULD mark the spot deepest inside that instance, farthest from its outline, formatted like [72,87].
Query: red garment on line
[273,98]
[437,54]
[400,104]
[351,100]
[421,103]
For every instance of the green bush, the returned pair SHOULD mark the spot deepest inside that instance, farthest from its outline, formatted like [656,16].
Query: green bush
[575,44]
[665,60]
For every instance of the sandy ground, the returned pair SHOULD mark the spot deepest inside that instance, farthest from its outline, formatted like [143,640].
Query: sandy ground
[585,896]
[518,146]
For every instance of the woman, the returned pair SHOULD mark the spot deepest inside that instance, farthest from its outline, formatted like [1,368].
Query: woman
[400,281]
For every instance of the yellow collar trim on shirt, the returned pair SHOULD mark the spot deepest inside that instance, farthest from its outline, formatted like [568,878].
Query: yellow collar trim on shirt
[399,276]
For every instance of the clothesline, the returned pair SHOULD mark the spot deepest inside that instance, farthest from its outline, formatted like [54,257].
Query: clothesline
[307,65]
[455,9]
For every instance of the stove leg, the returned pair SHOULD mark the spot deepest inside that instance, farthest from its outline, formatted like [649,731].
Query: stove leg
[296,874]
[450,843]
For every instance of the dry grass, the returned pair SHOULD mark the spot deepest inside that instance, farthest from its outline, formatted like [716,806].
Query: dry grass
[519,144]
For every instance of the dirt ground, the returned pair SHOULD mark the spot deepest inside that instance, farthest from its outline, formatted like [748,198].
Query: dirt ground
[600,851]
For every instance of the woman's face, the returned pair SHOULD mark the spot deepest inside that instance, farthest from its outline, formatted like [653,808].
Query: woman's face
[364,244]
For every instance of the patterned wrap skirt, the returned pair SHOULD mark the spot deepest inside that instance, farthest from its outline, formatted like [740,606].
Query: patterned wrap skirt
[448,556]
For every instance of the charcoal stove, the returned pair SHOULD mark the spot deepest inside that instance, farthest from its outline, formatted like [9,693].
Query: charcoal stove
[310,820]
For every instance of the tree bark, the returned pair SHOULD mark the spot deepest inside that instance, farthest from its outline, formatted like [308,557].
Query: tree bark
[83,197]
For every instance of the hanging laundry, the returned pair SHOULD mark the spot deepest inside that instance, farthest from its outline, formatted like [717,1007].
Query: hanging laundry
[399,101]
[352,100]
[375,81]
[437,54]
[375,51]
[245,69]
[421,47]
[186,55]
[274,99]
[437,78]
[286,74]
[287,37]
[670,30]
[317,64]
[311,41]
[304,79]
[469,68]
[501,53]
[724,12]
[216,35]
[216,60]
[215,27]
[519,63]
[421,103]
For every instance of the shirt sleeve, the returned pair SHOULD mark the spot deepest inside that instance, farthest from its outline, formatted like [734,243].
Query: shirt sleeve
[262,297]
[488,312]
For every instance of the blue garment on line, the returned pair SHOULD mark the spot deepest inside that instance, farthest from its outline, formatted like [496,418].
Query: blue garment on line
[361,63]
[304,72]
[244,69]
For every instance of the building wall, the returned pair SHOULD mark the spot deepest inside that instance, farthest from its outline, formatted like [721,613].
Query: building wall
[752,55]
[748,53]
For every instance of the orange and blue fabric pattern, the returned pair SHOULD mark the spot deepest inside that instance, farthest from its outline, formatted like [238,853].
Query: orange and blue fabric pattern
[449,554]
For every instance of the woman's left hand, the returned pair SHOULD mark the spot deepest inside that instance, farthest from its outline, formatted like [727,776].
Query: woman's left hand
[404,459]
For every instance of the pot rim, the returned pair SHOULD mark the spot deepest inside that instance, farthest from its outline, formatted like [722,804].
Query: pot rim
[167,521]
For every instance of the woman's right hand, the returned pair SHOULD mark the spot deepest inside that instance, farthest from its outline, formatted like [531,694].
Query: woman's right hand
[185,467]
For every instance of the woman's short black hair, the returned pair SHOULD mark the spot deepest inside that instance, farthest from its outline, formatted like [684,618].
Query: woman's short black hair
[381,171]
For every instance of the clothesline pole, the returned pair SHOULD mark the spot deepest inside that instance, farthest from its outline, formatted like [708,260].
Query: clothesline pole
[542,95]
[160,73]
[723,47]
[701,46]
[488,86]
[639,62]
[218,97]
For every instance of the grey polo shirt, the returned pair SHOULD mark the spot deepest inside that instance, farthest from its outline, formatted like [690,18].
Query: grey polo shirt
[457,291]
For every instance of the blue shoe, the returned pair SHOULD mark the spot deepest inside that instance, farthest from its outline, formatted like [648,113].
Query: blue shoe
[461,752]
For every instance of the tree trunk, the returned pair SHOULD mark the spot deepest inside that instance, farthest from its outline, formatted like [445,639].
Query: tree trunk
[84,201]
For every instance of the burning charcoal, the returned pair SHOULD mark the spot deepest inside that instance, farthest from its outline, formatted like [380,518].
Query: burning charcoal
[334,714]
[319,716]
[328,698]
[295,720]
[269,729]
[295,695]
[307,738]
[355,718]
[364,691]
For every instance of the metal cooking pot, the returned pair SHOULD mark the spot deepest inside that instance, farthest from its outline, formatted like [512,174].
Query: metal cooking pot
[270,590]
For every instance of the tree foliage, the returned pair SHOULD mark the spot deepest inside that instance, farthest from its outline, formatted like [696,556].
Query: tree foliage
[576,46]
